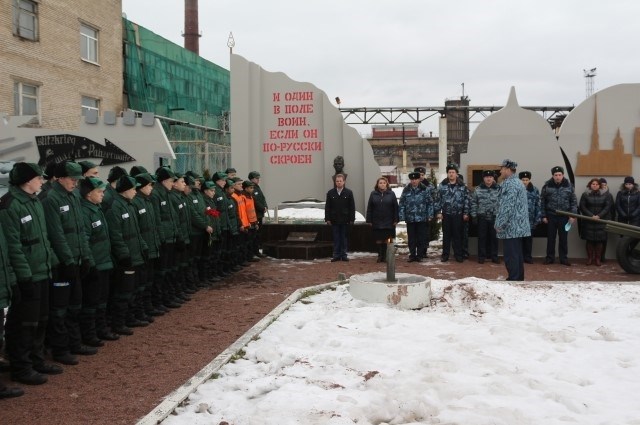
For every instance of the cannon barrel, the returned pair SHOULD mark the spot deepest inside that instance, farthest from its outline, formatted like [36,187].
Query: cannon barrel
[610,226]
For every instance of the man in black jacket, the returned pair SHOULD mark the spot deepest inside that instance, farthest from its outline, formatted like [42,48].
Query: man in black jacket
[339,212]
[557,194]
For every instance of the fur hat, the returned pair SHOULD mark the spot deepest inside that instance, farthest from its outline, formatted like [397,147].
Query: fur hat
[507,163]
[137,169]
[557,169]
[629,179]
[69,169]
[219,176]
[414,176]
[23,172]
[144,179]
[525,175]
[208,184]
[420,170]
[87,165]
[164,173]
[89,184]
[125,183]
[452,167]
[488,173]
[115,173]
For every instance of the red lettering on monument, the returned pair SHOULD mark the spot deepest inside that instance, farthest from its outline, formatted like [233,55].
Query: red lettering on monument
[283,142]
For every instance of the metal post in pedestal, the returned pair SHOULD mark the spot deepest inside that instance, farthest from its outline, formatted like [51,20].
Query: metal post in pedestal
[391,261]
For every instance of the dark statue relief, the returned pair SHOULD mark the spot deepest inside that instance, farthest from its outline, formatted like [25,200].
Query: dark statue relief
[338,166]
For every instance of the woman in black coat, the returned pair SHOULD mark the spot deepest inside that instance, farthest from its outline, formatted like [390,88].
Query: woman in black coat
[628,202]
[382,214]
[594,203]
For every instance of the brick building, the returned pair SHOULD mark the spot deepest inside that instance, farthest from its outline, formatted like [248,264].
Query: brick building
[401,146]
[59,58]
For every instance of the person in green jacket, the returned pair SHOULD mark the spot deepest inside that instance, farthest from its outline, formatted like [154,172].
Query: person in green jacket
[149,303]
[200,229]
[7,282]
[129,251]
[178,201]
[168,231]
[110,192]
[65,229]
[211,244]
[221,201]
[95,285]
[22,218]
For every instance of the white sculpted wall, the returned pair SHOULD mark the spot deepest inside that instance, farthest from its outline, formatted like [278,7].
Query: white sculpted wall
[600,138]
[291,133]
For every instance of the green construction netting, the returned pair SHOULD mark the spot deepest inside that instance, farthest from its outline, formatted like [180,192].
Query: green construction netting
[164,78]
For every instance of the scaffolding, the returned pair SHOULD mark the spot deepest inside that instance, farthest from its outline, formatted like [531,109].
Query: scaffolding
[190,96]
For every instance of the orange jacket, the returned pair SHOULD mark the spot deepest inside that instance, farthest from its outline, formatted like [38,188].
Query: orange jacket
[242,209]
[251,208]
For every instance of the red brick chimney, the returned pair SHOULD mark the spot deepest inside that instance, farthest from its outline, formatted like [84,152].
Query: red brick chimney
[191,34]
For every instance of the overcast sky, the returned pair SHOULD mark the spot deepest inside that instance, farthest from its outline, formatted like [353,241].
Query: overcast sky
[419,52]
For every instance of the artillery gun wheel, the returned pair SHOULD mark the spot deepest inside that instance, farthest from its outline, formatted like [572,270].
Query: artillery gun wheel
[627,255]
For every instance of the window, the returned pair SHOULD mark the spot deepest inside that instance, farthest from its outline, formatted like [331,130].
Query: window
[90,104]
[25,19]
[25,99]
[89,43]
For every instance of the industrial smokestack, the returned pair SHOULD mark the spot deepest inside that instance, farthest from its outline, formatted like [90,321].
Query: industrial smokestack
[191,33]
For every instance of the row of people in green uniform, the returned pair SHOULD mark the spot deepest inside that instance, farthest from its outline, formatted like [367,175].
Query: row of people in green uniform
[84,261]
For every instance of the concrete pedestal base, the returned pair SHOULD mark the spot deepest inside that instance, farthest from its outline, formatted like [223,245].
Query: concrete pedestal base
[409,291]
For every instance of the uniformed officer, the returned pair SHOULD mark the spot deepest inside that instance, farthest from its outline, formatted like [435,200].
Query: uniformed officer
[110,192]
[69,243]
[22,219]
[151,298]
[95,285]
[7,287]
[222,205]
[200,228]
[178,201]
[211,245]
[168,232]
[129,250]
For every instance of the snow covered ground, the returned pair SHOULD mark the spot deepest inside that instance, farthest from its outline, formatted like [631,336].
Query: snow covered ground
[483,353]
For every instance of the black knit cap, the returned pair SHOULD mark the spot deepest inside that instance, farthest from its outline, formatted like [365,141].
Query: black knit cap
[248,183]
[23,172]
[525,175]
[115,173]
[125,183]
[254,175]
[137,169]
[629,179]
[86,166]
